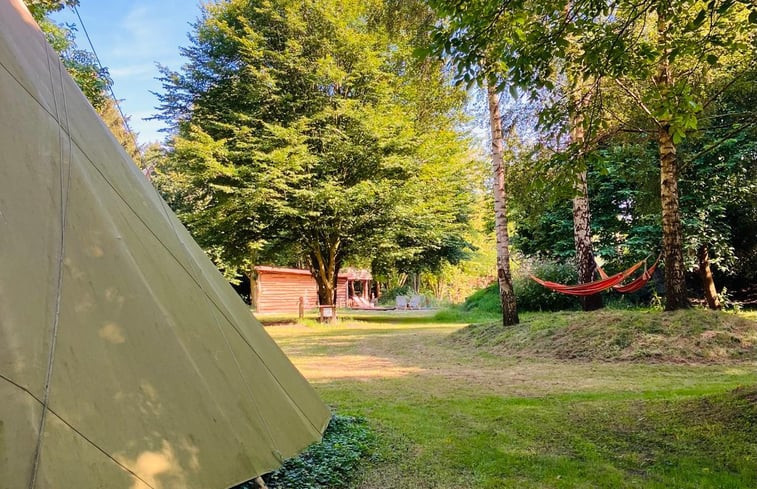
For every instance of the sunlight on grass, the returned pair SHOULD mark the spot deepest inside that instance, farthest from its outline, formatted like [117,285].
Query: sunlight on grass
[361,367]
[453,415]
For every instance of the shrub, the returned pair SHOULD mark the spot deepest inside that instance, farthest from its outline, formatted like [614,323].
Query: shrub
[484,300]
[534,297]
[529,295]
[332,463]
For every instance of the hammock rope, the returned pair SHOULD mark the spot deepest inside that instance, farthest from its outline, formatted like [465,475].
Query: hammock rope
[636,284]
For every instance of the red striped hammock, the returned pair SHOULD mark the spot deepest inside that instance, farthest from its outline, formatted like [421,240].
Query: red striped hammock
[607,282]
[636,284]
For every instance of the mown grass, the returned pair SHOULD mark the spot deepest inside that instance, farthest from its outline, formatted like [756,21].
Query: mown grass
[639,335]
[454,415]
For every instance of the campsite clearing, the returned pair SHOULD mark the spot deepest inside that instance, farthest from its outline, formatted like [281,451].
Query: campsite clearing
[450,415]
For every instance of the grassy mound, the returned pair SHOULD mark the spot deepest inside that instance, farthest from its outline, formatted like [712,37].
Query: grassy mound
[632,335]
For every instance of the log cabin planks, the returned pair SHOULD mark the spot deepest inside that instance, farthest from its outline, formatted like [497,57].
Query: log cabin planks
[279,289]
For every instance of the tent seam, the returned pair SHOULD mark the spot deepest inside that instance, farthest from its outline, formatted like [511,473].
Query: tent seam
[59,286]
[276,452]
[181,264]
[76,431]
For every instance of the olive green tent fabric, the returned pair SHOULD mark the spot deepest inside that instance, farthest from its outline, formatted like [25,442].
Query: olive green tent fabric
[126,360]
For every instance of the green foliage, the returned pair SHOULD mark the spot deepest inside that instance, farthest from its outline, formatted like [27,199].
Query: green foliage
[533,297]
[624,73]
[452,283]
[485,300]
[389,296]
[330,464]
[302,130]
[40,8]
[529,295]
[716,184]
[81,64]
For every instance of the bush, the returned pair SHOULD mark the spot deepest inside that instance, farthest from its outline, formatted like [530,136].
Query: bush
[332,463]
[529,295]
[534,297]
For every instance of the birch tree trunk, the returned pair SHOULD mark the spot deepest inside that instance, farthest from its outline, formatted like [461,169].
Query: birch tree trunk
[672,234]
[581,213]
[582,238]
[506,293]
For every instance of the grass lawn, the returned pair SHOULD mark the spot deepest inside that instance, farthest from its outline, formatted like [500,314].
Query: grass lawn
[452,415]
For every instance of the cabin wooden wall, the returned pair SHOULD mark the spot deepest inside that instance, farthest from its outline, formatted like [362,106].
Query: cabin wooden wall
[341,291]
[281,291]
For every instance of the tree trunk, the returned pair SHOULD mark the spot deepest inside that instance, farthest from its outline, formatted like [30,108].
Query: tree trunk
[324,266]
[325,292]
[672,234]
[581,212]
[705,273]
[252,277]
[582,238]
[580,95]
[506,293]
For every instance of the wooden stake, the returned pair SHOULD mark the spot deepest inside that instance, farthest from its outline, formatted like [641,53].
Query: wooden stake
[260,483]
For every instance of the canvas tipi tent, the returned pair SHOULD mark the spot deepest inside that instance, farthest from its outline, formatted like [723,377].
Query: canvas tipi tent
[126,361]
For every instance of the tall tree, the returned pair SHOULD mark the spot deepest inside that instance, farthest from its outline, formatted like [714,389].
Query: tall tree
[295,130]
[717,184]
[664,71]
[93,80]
[587,265]
[499,189]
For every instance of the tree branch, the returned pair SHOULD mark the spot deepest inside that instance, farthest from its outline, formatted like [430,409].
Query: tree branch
[638,101]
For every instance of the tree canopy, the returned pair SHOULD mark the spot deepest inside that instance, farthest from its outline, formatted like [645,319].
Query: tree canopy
[302,130]
[648,72]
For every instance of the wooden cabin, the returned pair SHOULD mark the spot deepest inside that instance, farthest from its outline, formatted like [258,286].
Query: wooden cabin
[279,289]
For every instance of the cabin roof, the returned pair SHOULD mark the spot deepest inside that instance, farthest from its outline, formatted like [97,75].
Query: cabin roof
[348,273]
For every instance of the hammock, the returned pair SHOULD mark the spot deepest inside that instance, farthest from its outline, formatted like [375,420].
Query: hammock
[590,288]
[635,285]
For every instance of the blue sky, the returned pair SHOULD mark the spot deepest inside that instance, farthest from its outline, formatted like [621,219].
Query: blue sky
[130,37]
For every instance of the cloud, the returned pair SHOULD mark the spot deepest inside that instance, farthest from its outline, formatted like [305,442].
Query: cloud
[146,35]
[142,71]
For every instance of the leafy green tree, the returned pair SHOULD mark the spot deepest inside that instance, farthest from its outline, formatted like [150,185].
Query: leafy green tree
[81,64]
[717,182]
[662,56]
[300,130]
